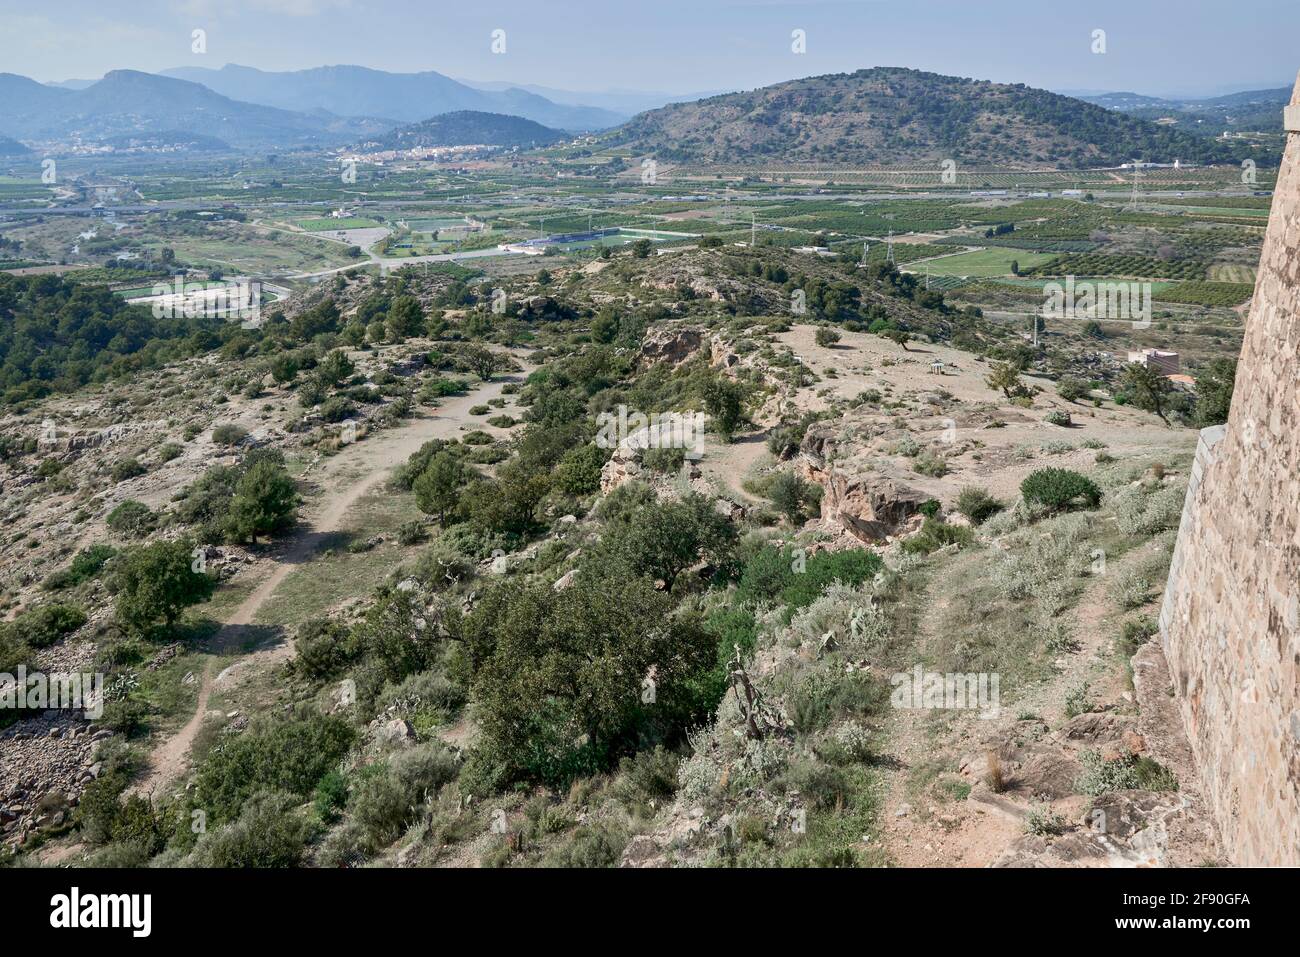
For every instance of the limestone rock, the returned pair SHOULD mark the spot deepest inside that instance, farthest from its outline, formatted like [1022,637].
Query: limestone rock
[869,507]
[671,345]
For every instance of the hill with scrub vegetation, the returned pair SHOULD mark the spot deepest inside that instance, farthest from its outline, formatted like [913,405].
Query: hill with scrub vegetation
[889,116]
[468,128]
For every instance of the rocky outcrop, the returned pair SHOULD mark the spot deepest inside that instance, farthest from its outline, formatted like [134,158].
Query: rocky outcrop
[673,345]
[625,462]
[869,507]
[1135,833]
[623,466]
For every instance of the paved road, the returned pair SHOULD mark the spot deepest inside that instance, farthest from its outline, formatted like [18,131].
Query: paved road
[408,261]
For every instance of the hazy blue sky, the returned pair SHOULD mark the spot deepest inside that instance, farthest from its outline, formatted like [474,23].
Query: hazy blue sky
[1153,46]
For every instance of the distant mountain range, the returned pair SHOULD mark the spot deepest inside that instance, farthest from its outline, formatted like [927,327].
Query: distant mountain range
[893,116]
[626,103]
[1248,111]
[126,102]
[241,108]
[403,97]
[466,128]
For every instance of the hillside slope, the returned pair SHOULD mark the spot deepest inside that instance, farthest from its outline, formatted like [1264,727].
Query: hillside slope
[1249,111]
[894,116]
[128,102]
[468,128]
[11,147]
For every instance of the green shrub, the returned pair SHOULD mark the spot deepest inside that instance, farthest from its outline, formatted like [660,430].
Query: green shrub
[1060,489]
[1131,589]
[128,468]
[1043,822]
[650,775]
[126,717]
[131,518]
[786,577]
[1134,633]
[331,796]
[907,447]
[1130,773]
[791,494]
[336,409]
[819,699]
[1140,512]
[323,649]
[928,463]
[441,388]
[935,535]
[44,625]
[386,797]
[591,846]
[410,533]
[168,451]
[1071,388]
[269,832]
[229,434]
[289,755]
[1076,701]
[786,438]
[977,505]
[1059,418]
[86,564]
[578,472]
[99,808]
[487,455]
[664,461]
[426,699]
[826,336]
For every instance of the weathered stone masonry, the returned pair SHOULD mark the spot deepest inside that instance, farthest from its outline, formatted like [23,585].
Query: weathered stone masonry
[1230,623]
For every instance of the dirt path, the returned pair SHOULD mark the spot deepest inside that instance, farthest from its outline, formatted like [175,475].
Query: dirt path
[347,478]
[921,831]
[918,829]
[730,465]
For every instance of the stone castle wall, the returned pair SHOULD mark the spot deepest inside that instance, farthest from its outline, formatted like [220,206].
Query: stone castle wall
[1230,623]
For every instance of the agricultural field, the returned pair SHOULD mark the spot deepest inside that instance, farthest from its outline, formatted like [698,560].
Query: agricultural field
[17,190]
[255,254]
[986,263]
[1221,294]
[1136,267]
[1231,273]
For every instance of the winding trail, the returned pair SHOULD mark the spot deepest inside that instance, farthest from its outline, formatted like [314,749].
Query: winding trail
[378,456]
